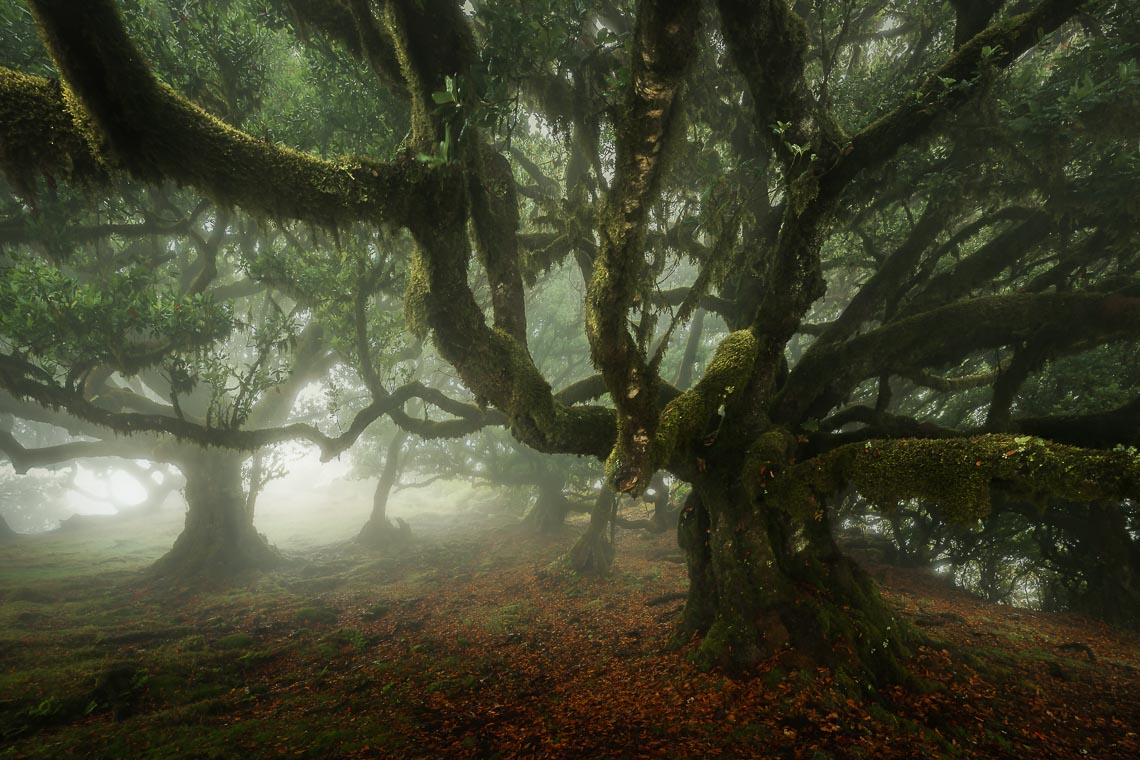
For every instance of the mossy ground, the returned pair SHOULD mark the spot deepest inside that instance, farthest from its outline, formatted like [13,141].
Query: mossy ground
[469,645]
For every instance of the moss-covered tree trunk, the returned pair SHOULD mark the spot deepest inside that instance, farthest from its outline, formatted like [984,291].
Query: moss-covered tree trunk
[1113,570]
[762,581]
[551,505]
[593,552]
[380,532]
[664,514]
[218,539]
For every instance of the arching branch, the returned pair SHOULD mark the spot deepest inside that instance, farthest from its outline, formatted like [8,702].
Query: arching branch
[155,134]
[946,334]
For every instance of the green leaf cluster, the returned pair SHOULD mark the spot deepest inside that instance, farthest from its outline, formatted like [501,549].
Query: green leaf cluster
[124,319]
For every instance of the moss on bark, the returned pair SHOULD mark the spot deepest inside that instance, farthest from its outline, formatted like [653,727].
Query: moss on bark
[685,419]
[763,582]
[955,475]
[43,134]
[766,574]
[157,135]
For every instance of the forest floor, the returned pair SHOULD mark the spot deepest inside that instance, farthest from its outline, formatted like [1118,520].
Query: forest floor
[471,642]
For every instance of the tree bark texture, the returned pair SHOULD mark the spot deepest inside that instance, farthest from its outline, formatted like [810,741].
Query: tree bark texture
[550,508]
[762,581]
[218,539]
[593,552]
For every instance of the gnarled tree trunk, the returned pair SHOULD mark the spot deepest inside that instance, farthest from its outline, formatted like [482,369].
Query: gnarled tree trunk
[762,581]
[593,552]
[218,539]
[551,506]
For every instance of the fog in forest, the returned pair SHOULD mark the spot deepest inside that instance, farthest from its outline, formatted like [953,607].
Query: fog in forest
[310,505]
[607,378]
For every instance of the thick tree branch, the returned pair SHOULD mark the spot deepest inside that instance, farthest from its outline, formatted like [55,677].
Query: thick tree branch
[19,231]
[22,381]
[947,334]
[495,218]
[155,134]
[594,387]
[1116,427]
[495,366]
[889,276]
[664,45]
[951,384]
[769,44]
[999,45]
[24,459]
[41,137]
[980,267]
[953,475]
[881,424]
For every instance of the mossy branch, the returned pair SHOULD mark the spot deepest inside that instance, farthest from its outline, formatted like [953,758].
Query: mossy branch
[768,42]
[889,276]
[1098,430]
[997,46]
[26,381]
[156,135]
[356,29]
[952,475]
[664,46]
[40,137]
[495,220]
[24,459]
[686,418]
[18,230]
[491,362]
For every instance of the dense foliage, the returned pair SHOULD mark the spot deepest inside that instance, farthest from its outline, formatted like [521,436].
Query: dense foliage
[909,225]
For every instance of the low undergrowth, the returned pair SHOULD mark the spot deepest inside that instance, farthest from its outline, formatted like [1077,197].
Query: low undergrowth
[479,645]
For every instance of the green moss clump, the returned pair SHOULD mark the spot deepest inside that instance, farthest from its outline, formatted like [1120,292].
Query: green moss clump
[731,365]
[772,449]
[947,476]
[685,417]
[416,296]
[955,475]
[46,133]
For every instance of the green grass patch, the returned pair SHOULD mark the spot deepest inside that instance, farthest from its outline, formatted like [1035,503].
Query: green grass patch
[235,641]
[316,615]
